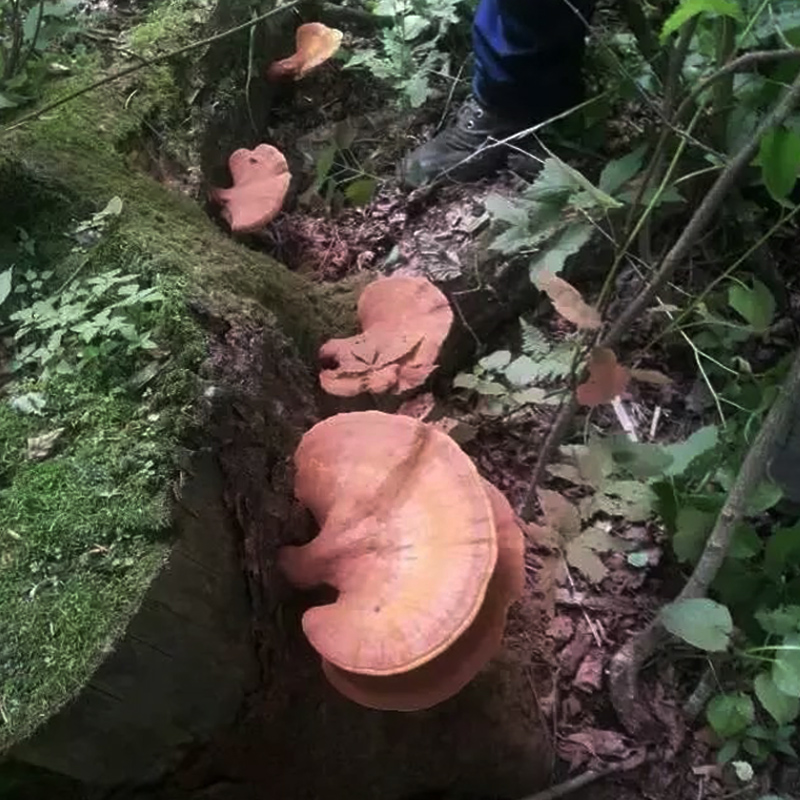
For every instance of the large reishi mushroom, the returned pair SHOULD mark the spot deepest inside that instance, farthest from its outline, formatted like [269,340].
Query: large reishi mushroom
[408,538]
[261,179]
[405,321]
[315,44]
[448,673]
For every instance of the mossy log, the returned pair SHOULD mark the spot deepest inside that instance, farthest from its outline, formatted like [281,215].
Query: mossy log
[218,619]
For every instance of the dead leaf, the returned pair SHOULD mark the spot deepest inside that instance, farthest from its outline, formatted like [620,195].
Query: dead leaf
[582,552]
[632,500]
[651,376]
[559,513]
[40,447]
[568,302]
[607,379]
[458,431]
[590,673]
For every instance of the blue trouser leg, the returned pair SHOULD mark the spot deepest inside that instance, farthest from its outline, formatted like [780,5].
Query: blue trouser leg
[528,55]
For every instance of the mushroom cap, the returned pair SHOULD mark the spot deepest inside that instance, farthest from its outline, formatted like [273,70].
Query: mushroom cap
[405,321]
[261,179]
[408,539]
[315,44]
[448,673]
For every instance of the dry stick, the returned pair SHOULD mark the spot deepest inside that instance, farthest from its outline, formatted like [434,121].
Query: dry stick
[679,251]
[148,62]
[584,779]
[625,664]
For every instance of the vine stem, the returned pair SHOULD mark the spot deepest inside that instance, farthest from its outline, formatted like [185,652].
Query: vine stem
[624,667]
[148,62]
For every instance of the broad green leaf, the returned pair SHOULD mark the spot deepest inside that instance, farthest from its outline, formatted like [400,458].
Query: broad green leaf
[691,8]
[632,500]
[558,250]
[728,751]
[498,360]
[745,542]
[780,621]
[786,667]
[521,371]
[781,707]
[782,550]
[764,497]
[499,207]
[730,714]
[779,154]
[6,101]
[5,284]
[533,394]
[683,453]
[413,26]
[465,380]
[701,622]
[617,173]
[756,305]
[360,192]
[491,389]
[640,459]
[692,527]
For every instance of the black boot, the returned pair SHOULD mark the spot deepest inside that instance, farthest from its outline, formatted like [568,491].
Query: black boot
[465,151]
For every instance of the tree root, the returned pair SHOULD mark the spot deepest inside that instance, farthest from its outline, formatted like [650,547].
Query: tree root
[625,665]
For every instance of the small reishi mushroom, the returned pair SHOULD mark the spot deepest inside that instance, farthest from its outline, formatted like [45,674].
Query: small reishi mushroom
[408,539]
[315,44]
[261,179]
[448,673]
[405,321]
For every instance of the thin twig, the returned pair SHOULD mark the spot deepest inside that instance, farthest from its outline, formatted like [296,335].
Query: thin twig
[625,664]
[148,62]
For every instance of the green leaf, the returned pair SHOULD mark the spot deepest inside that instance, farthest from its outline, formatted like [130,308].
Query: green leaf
[617,173]
[781,707]
[782,551]
[5,284]
[780,621]
[361,191]
[692,527]
[701,622]
[764,497]
[728,751]
[756,305]
[730,714]
[7,101]
[779,155]
[683,453]
[691,8]
[632,500]
[413,26]
[560,248]
[786,667]
[638,560]
[522,371]
[745,542]
[553,184]
[491,389]
[465,380]
[501,208]
[495,361]
[642,460]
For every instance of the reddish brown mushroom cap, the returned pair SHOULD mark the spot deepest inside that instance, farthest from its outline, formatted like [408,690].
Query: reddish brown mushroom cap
[405,322]
[408,539]
[448,673]
[261,179]
[315,44]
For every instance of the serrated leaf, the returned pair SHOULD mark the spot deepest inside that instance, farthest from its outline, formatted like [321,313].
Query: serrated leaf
[692,527]
[568,302]
[582,552]
[617,173]
[5,284]
[691,8]
[560,248]
[593,461]
[607,379]
[534,343]
[560,515]
[496,361]
[630,499]
[781,707]
[779,154]
[701,622]
[506,210]
[756,305]
[683,453]
[786,667]
[553,184]
[730,714]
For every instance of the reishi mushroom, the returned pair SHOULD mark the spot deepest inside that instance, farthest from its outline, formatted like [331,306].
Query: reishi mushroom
[405,321]
[261,179]
[315,44]
[426,556]
[448,673]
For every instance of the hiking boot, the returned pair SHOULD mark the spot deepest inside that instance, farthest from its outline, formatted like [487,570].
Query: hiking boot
[463,151]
